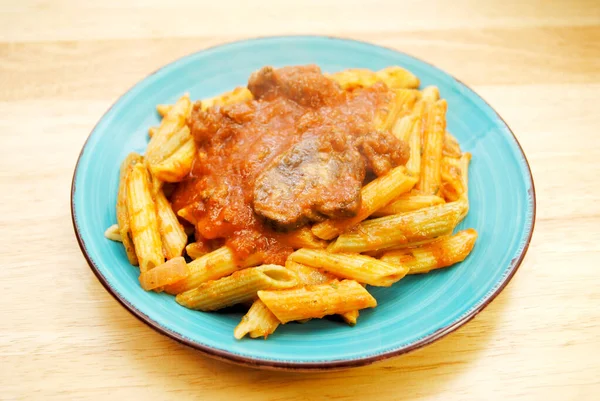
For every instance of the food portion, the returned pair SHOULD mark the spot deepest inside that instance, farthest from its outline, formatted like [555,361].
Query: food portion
[292,194]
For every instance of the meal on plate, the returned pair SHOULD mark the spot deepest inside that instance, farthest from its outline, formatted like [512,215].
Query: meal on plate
[290,196]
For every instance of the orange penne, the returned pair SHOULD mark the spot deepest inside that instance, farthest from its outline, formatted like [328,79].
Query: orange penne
[434,129]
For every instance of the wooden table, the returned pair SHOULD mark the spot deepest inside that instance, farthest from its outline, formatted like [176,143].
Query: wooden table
[63,63]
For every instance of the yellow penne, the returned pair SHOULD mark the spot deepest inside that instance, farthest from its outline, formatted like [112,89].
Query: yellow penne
[413,165]
[164,109]
[187,213]
[303,238]
[196,249]
[172,233]
[311,276]
[238,95]
[433,140]
[407,203]
[258,322]
[240,287]
[451,186]
[465,159]
[361,268]
[308,275]
[170,272]
[442,253]
[430,94]
[317,301]
[160,147]
[350,317]
[354,78]
[143,219]
[122,213]
[385,232]
[375,195]
[451,147]
[212,266]
[403,127]
[397,77]
[152,131]
[177,166]
[113,233]
[401,104]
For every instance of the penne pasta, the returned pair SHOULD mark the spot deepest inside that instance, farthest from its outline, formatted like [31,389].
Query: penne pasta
[172,233]
[152,131]
[122,213]
[317,301]
[143,219]
[113,233]
[403,127]
[442,253]
[451,187]
[375,195]
[240,287]
[169,272]
[168,134]
[197,249]
[212,266]
[401,104]
[354,78]
[238,95]
[303,238]
[361,268]
[430,94]
[179,164]
[413,165]
[451,147]
[408,203]
[397,77]
[164,109]
[385,232]
[258,322]
[312,276]
[434,129]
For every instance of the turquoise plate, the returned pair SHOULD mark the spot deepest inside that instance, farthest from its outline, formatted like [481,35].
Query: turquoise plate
[414,312]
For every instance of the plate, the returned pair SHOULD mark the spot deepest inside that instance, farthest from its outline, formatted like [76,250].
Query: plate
[414,312]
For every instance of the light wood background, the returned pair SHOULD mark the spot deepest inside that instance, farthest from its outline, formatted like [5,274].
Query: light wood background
[64,62]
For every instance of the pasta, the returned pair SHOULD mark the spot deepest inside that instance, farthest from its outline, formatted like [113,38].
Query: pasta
[240,287]
[191,214]
[316,301]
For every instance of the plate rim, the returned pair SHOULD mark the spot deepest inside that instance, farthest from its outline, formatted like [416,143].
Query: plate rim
[299,365]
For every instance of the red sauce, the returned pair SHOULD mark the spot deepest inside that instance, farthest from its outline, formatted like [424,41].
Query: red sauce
[237,142]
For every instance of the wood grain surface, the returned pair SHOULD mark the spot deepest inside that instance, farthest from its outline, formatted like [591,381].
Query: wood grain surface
[64,62]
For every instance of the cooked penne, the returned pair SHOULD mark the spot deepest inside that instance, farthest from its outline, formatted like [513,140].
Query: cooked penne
[122,213]
[303,238]
[197,249]
[311,302]
[238,95]
[413,165]
[164,109]
[350,317]
[113,233]
[361,268]
[308,275]
[143,219]
[401,104]
[179,164]
[212,266]
[433,140]
[169,272]
[403,126]
[385,232]
[354,78]
[311,276]
[172,233]
[407,203]
[465,159]
[152,131]
[397,77]
[258,322]
[451,187]
[430,94]
[375,195]
[187,213]
[162,144]
[451,147]
[240,287]
[442,253]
